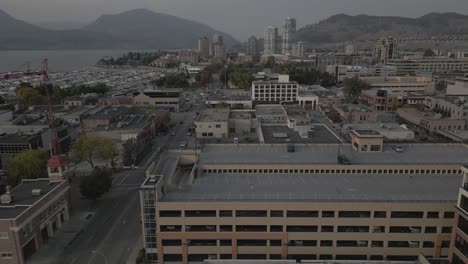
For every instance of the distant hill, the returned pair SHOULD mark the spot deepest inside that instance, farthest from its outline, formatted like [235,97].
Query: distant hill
[136,29]
[340,28]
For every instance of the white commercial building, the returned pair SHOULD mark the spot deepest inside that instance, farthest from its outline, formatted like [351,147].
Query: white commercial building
[342,72]
[281,90]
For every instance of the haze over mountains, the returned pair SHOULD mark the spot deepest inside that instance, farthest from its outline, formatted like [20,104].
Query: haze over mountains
[340,28]
[135,29]
[144,29]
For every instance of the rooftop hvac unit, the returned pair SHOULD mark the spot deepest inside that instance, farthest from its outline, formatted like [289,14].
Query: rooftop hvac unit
[36,192]
[6,198]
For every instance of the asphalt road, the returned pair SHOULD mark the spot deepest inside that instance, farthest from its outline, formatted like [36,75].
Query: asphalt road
[115,229]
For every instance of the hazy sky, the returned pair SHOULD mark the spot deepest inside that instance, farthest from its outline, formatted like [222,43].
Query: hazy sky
[240,18]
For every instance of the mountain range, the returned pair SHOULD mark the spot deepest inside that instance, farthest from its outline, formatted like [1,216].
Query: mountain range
[135,29]
[145,29]
[340,28]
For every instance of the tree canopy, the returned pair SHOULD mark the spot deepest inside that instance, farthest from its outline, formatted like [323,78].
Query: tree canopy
[30,164]
[90,149]
[354,86]
[96,184]
[176,80]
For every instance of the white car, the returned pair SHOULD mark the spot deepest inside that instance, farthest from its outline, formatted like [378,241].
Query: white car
[183,145]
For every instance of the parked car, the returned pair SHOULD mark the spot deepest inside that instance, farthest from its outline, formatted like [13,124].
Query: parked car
[183,145]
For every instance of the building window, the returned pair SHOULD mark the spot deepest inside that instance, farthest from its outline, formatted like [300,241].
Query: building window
[447,229]
[3,235]
[251,213]
[225,213]
[407,214]
[301,229]
[328,214]
[225,228]
[432,214]
[380,214]
[326,229]
[449,215]
[276,213]
[430,229]
[6,255]
[302,213]
[276,228]
[354,214]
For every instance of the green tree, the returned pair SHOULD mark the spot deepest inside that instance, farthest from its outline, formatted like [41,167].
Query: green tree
[354,86]
[30,164]
[96,184]
[141,258]
[90,149]
[327,80]
[270,63]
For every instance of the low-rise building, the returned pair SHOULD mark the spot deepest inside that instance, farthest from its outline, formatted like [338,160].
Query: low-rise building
[431,65]
[381,100]
[402,83]
[31,214]
[350,113]
[390,131]
[458,87]
[278,201]
[170,99]
[116,100]
[74,101]
[213,123]
[429,120]
[308,99]
[282,90]
[191,57]
[342,72]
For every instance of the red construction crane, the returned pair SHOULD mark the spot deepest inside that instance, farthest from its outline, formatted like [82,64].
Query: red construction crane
[44,72]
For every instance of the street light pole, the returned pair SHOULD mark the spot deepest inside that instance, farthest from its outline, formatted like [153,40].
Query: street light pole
[95,252]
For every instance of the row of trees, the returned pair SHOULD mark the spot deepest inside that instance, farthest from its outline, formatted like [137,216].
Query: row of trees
[303,75]
[37,95]
[131,59]
[32,164]
[176,80]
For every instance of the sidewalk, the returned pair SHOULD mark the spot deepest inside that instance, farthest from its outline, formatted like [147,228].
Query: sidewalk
[50,252]
[134,253]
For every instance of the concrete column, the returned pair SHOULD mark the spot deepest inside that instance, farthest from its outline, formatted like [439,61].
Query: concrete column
[184,251]
[59,221]
[50,230]
[66,214]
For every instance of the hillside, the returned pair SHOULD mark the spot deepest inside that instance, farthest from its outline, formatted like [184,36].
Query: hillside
[136,29]
[339,28]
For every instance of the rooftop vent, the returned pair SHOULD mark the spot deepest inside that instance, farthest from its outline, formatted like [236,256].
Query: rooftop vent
[7,198]
[36,192]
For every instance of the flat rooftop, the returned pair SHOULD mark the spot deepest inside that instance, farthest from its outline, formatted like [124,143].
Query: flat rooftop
[456,154]
[436,188]
[23,198]
[270,110]
[320,134]
[214,115]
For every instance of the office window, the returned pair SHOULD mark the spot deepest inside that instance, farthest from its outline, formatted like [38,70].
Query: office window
[428,244]
[251,213]
[377,244]
[276,228]
[326,229]
[200,213]
[328,214]
[432,214]
[225,242]
[275,243]
[6,255]
[170,213]
[302,214]
[225,228]
[354,214]
[276,213]
[301,228]
[449,215]
[326,243]
[225,213]
[171,242]
[447,229]
[402,214]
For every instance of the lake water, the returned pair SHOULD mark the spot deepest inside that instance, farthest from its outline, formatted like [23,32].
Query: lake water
[59,60]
